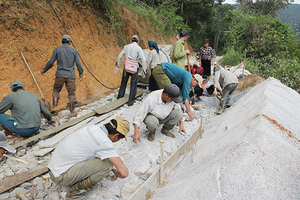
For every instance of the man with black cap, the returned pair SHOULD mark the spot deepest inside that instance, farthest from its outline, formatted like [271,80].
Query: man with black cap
[178,55]
[134,56]
[65,74]
[159,107]
[87,156]
[4,146]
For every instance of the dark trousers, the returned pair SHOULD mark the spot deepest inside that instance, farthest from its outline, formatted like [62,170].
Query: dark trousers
[70,85]
[133,86]
[207,67]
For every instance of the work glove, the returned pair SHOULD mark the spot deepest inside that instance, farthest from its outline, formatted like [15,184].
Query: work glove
[116,70]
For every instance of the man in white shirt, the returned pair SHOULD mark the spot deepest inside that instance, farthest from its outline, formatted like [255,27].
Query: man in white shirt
[87,156]
[159,107]
[134,52]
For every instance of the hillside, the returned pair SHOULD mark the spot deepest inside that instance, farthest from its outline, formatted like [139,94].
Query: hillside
[290,15]
[31,27]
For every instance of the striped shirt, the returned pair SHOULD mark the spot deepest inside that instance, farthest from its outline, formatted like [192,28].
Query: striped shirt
[84,144]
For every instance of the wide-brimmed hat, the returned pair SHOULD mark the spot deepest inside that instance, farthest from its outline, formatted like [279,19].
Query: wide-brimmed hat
[123,126]
[4,144]
[199,79]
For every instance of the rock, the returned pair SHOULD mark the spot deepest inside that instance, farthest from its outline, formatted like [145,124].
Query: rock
[26,185]
[142,169]
[8,172]
[130,187]
[4,195]
[18,189]
[1,177]
[52,196]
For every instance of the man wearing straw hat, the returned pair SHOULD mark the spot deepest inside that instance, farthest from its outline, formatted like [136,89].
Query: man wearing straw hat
[87,156]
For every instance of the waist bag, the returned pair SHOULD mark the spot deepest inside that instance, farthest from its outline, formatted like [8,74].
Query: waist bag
[131,65]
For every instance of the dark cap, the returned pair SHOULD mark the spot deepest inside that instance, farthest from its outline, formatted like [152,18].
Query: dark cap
[173,91]
[184,33]
[66,38]
[16,85]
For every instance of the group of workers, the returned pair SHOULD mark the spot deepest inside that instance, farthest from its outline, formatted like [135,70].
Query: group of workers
[87,156]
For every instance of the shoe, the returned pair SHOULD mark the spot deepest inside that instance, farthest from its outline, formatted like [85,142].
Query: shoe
[151,136]
[79,190]
[167,133]
[72,110]
[55,102]
[221,108]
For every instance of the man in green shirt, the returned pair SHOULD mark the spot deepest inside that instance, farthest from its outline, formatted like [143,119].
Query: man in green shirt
[25,118]
[178,56]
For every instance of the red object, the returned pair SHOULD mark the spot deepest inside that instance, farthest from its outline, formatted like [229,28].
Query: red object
[197,70]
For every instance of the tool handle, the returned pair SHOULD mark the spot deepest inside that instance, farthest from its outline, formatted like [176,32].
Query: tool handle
[33,77]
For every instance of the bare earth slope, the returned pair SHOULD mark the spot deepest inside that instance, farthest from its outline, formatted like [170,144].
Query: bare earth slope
[31,27]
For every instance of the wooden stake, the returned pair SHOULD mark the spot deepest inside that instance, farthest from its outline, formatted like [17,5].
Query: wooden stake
[161,174]
[21,195]
[244,63]
[201,128]
[17,159]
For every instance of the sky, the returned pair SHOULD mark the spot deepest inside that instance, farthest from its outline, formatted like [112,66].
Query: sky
[233,2]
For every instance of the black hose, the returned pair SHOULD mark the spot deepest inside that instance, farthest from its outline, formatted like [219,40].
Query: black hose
[78,52]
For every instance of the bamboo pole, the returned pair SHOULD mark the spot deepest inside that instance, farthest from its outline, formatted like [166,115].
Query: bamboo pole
[244,63]
[161,174]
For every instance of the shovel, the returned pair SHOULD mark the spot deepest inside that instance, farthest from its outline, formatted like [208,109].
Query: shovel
[46,103]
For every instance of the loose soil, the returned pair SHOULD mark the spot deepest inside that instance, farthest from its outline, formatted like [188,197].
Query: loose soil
[31,27]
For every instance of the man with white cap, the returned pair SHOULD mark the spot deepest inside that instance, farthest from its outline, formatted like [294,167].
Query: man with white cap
[134,56]
[167,73]
[87,156]
[159,107]
[4,146]
[25,118]
[65,74]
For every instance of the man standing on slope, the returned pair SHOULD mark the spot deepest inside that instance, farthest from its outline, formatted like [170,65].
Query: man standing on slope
[159,107]
[229,82]
[87,156]
[178,55]
[132,52]
[167,73]
[65,74]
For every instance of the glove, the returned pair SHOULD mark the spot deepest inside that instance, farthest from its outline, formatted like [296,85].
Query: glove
[116,70]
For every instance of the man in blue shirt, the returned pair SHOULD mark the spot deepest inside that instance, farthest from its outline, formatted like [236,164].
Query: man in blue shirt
[168,73]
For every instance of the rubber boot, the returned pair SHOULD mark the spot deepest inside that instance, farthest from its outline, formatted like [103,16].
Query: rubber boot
[226,104]
[72,109]
[55,102]
[166,130]
[151,135]
[79,190]
[222,107]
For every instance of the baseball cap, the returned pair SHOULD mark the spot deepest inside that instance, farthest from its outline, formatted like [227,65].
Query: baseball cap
[4,144]
[184,33]
[199,79]
[173,91]
[66,38]
[16,84]
[123,126]
[135,37]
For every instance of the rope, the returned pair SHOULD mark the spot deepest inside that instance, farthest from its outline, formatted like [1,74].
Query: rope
[78,52]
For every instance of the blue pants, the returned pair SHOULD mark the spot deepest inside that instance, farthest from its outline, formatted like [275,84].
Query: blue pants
[228,90]
[12,125]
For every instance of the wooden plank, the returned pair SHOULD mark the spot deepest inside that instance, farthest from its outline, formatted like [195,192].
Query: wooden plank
[115,104]
[104,109]
[15,180]
[150,185]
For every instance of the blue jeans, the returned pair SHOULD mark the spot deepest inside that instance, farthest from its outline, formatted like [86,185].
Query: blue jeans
[228,90]
[12,125]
